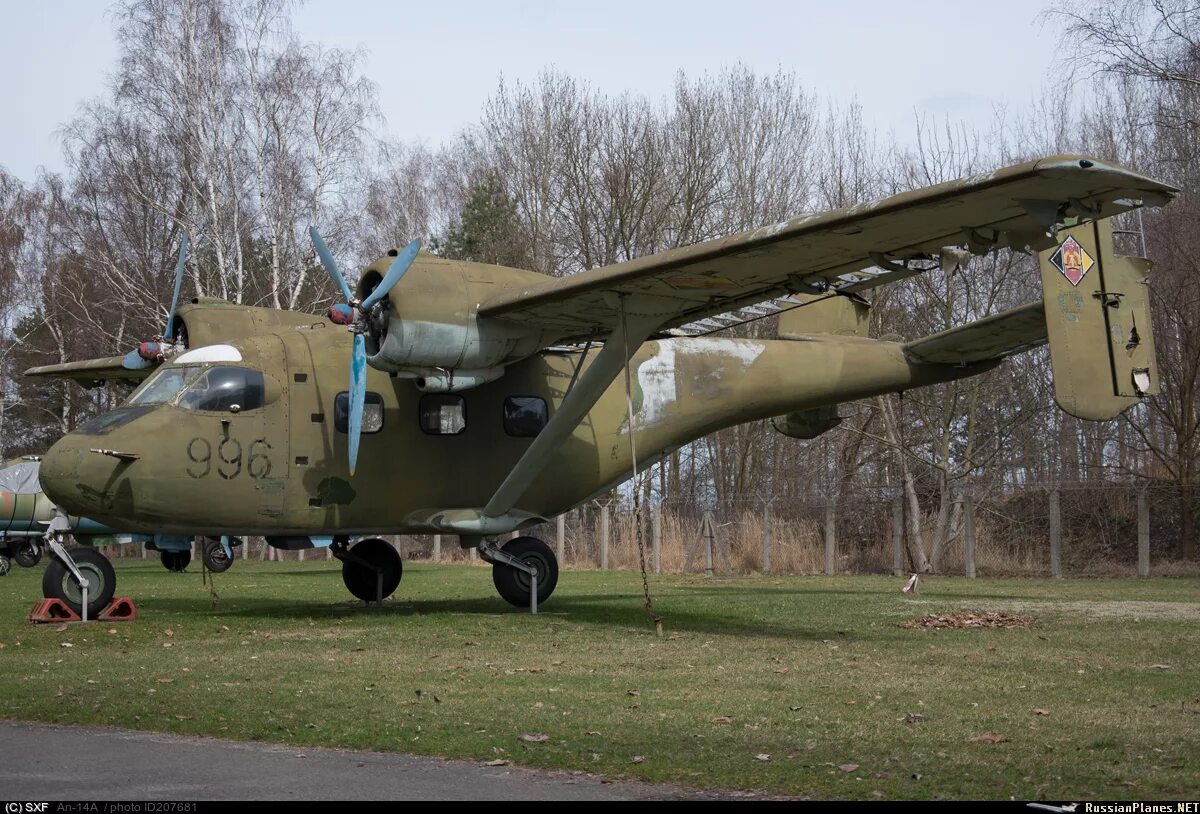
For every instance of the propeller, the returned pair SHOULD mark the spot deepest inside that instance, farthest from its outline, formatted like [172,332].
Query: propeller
[356,315]
[151,353]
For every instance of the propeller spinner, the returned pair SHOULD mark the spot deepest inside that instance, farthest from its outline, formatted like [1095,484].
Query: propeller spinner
[151,353]
[356,315]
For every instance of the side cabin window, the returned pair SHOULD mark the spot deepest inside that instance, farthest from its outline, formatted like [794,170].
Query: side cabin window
[524,416]
[372,420]
[443,414]
[223,389]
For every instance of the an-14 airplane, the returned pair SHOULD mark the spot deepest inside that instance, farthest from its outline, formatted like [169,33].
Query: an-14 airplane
[492,399]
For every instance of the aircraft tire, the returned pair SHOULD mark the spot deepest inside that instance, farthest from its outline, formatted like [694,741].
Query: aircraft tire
[26,553]
[514,585]
[361,580]
[59,583]
[176,561]
[215,558]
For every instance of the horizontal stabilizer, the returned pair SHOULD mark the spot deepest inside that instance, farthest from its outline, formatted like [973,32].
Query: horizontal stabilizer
[1014,331]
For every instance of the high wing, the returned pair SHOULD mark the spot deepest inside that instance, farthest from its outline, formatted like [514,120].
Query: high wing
[92,372]
[848,249]
[1013,331]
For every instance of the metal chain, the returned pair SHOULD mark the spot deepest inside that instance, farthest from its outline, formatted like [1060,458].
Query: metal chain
[648,603]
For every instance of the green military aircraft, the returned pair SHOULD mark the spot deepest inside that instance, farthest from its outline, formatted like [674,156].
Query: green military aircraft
[490,399]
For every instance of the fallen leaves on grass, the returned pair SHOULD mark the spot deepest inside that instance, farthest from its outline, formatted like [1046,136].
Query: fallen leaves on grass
[722,719]
[914,718]
[534,737]
[849,767]
[638,759]
[988,737]
[497,762]
[764,757]
[968,620]
[1038,711]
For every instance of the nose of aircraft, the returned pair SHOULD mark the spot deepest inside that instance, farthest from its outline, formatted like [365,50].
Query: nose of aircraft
[59,473]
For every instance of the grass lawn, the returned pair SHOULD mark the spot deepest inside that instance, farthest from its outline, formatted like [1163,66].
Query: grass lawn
[1100,699]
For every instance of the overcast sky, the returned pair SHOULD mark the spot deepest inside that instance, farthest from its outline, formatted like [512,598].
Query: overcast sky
[436,63]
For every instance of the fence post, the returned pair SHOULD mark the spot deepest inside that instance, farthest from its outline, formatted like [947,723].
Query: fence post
[706,528]
[1055,534]
[1143,507]
[560,538]
[300,554]
[969,533]
[437,548]
[897,538]
[656,537]
[265,549]
[143,551]
[604,537]
[830,538]
[767,536]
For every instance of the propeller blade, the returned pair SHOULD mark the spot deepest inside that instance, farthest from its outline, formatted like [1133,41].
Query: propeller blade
[183,247]
[134,361]
[331,266]
[394,273]
[358,395]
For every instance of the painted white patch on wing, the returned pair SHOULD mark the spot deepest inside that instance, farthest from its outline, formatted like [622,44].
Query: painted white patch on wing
[209,353]
[656,376]
[742,350]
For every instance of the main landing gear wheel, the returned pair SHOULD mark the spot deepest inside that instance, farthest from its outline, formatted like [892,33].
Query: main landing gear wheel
[26,553]
[363,564]
[514,585]
[176,561]
[59,583]
[216,559]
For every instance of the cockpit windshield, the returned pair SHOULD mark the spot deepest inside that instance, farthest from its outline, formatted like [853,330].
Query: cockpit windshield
[162,386]
[224,388]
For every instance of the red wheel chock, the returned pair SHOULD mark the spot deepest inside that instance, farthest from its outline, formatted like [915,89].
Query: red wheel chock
[120,609]
[47,611]
[52,610]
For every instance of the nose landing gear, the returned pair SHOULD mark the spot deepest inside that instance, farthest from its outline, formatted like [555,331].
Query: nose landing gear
[78,577]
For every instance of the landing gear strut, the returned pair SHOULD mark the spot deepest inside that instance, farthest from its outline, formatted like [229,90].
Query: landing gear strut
[371,569]
[520,565]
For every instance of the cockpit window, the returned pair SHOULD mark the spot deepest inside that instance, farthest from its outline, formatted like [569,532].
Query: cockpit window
[223,388]
[162,385]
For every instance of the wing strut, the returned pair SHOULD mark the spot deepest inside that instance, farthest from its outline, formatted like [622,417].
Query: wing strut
[626,337]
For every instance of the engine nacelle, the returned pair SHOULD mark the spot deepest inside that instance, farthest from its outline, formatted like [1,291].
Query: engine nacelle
[429,329]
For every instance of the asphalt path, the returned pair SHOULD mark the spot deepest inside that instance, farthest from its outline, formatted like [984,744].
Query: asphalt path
[48,762]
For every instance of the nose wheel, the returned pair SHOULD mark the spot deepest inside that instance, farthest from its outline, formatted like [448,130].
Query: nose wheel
[67,572]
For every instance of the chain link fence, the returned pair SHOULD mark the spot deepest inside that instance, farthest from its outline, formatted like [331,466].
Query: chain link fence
[1104,530]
